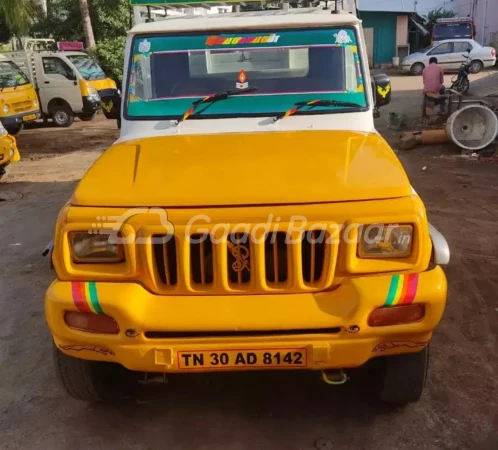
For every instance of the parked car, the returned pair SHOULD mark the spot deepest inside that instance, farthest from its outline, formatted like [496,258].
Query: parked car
[451,54]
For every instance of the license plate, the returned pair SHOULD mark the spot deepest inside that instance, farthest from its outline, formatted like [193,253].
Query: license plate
[30,117]
[240,359]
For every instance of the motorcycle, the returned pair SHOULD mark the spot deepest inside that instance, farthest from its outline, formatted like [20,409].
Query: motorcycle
[462,83]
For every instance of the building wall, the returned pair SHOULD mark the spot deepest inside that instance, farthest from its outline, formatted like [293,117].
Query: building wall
[402,30]
[485,14]
[384,26]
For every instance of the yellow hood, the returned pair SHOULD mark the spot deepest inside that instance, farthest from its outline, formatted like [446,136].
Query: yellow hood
[244,169]
[102,85]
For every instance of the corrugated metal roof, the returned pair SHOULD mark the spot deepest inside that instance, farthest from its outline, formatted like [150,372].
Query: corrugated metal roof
[399,6]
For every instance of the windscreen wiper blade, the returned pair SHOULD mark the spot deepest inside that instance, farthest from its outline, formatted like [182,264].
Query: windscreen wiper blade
[314,104]
[212,99]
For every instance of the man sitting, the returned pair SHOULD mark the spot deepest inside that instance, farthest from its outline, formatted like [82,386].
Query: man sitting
[433,76]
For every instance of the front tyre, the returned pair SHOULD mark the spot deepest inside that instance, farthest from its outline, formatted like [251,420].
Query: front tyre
[14,130]
[403,377]
[417,69]
[476,66]
[88,381]
[462,86]
[62,116]
[88,117]
[4,172]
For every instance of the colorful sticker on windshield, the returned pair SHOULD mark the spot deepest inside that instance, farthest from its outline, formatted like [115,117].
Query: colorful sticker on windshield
[144,46]
[242,82]
[359,75]
[342,38]
[239,40]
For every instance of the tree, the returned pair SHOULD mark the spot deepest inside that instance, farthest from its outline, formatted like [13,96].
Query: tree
[5,33]
[111,19]
[87,24]
[18,15]
[438,13]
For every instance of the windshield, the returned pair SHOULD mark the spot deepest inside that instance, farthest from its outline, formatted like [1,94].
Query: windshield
[11,75]
[87,67]
[452,31]
[283,67]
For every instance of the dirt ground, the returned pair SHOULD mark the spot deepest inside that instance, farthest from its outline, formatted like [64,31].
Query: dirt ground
[290,411]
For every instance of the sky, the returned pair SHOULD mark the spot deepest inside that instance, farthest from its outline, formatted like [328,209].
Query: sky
[423,6]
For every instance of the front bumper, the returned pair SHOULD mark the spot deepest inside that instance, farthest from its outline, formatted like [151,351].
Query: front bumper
[91,105]
[330,327]
[8,150]
[18,119]
[406,67]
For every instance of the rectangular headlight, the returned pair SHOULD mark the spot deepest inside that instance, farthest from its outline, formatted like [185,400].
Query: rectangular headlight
[91,248]
[385,241]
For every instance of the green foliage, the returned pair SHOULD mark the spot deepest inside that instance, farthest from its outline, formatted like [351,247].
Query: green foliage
[5,33]
[63,21]
[18,15]
[439,13]
[110,54]
[111,19]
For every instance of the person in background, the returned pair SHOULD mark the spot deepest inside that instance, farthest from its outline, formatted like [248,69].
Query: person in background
[433,76]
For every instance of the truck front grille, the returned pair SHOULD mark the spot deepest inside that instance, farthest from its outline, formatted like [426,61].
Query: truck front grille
[199,264]
[166,259]
[22,106]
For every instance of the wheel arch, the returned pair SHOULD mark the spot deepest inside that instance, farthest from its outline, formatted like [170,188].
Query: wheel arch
[55,102]
[480,61]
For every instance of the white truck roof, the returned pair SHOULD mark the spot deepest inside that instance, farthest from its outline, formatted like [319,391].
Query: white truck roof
[298,17]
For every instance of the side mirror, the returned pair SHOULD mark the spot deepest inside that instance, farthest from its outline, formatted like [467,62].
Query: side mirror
[111,105]
[381,84]
[468,51]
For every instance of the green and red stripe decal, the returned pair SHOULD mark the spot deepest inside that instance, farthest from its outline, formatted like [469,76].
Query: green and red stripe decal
[402,290]
[86,298]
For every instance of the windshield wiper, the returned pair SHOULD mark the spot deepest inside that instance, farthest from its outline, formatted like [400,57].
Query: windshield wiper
[314,104]
[212,99]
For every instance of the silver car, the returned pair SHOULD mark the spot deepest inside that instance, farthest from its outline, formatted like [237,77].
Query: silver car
[450,55]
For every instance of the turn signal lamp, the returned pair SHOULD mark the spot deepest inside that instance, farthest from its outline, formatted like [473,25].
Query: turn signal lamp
[396,315]
[91,323]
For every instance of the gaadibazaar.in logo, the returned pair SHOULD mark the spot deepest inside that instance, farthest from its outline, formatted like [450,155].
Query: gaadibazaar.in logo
[217,40]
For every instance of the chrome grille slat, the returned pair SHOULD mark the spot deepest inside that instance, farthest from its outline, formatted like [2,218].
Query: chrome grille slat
[22,106]
[276,256]
[201,260]
[313,255]
[166,254]
[312,258]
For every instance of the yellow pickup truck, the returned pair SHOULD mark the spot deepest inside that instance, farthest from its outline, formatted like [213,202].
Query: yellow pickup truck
[250,217]
[69,83]
[18,100]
